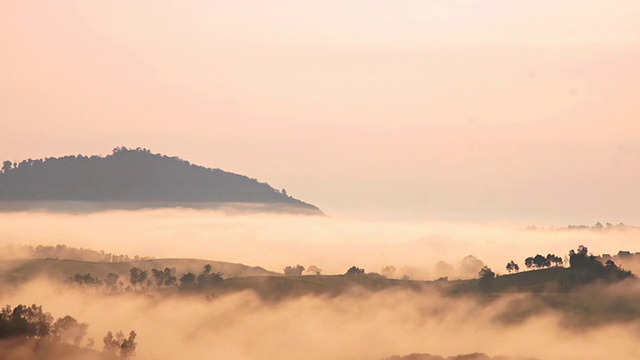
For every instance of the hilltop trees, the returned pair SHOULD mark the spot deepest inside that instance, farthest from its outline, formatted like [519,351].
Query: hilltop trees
[512,267]
[137,276]
[129,177]
[163,277]
[486,278]
[354,271]
[205,279]
[293,271]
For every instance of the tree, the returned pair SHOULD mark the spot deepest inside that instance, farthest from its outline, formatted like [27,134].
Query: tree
[541,262]
[24,321]
[314,270]
[68,330]
[512,267]
[354,271]
[84,280]
[293,271]
[6,166]
[111,281]
[128,345]
[486,278]
[553,259]
[137,276]
[188,281]
[529,262]
[208,279]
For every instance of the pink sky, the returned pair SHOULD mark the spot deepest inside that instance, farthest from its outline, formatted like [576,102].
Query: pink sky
[499,110]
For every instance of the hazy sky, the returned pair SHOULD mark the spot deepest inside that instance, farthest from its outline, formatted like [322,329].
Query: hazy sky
[488,110]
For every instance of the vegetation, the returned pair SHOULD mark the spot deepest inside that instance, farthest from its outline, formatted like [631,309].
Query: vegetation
[293,271]
[354,271]
[132,175]
[32,322]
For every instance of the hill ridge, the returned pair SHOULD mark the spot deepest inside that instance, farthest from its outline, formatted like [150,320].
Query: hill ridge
[134,176]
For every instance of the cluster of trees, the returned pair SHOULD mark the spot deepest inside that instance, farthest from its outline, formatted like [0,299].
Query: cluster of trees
[65,252]
[293,270]
[32,322]
[139,279]
[589,268]
[540,261]
[298,269]
[355,271]
[598,226]
[126,346]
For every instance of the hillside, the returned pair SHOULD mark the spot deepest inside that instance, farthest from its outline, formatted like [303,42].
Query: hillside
[17,271]
[132,178]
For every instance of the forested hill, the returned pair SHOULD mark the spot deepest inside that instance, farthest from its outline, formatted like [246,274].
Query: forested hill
[133,176]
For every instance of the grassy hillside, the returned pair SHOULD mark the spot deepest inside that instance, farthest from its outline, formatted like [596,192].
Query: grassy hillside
[15,271]
[277,287]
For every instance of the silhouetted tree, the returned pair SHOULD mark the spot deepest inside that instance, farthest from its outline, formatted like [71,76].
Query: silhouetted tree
[84,280]
[354,271]
[163,277]
[486,278]
[294,271]
[540,261]
[188,281]
[128,345]
[512,267]
[208,279]
[553,259]
[529,262]
[6,166]
[111,281]
[137,276]
[24,321]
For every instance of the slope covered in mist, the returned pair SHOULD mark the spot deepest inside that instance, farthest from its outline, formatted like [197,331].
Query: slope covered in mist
[130,178]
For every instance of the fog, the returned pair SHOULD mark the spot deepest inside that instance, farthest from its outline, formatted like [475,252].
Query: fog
[418,249]
[357,325]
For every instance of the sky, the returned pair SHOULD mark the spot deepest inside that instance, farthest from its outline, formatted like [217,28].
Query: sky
[496,110]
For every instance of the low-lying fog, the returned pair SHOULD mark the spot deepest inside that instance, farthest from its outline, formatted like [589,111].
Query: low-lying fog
[358,325]
[332,244]
[353,325]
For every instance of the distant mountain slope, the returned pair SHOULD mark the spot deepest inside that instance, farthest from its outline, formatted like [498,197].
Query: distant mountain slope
[133,176]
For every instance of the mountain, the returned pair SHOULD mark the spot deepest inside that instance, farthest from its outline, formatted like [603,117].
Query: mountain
[134,178]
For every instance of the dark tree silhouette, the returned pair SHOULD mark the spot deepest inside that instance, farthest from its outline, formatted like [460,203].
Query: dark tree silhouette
[24,321]
[188,281]
[541,262]
[512,267]
[293,271]
[208,279]
[137,276]
[84,280]
[354,271]
[486,278]
[6,166]
[164,277]
[111,281]
[529,262]
[553,259]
